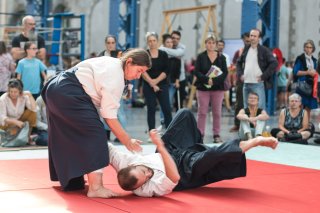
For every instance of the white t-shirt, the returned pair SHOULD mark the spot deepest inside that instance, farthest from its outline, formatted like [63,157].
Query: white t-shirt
[158,185]
[252,70]
[102,78]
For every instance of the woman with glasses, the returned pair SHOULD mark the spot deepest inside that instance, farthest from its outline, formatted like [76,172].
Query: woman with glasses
[304,70]
[252,119]
[31,70]
[155,84]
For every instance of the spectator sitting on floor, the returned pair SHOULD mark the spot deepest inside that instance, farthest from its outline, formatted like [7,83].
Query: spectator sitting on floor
[16,107]
[42,123]
[252,119]
[182,160]
[293,122]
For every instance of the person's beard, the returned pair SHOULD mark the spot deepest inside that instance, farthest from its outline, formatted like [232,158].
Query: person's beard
[32,35]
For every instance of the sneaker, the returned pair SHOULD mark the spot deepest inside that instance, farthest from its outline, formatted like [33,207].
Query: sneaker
[159,128]
[234,129]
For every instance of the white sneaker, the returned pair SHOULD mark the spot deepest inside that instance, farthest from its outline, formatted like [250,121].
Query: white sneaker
[159,128]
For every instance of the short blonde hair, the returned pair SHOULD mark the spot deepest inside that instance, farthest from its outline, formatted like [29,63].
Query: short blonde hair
[154,34]
[210,37]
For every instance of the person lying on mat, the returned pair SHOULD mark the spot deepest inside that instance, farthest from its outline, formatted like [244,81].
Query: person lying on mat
[182,160]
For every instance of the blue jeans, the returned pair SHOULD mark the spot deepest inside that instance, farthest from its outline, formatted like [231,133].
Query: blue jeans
[172,91]
[245,128]
[256,88]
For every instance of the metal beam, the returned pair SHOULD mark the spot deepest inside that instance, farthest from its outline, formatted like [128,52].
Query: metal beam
[126,24]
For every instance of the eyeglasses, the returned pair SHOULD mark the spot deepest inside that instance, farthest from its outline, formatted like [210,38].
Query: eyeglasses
[32,24]
[309,47]
[111,42]
[174,37]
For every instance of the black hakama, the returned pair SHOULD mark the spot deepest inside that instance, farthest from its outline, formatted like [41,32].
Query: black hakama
[77,141]
[198,164]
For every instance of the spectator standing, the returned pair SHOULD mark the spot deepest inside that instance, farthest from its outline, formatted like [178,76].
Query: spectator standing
[255,68]
[210,89]
[289,87]
[304,69]
[110,47]
[239,84]
[30,70]
[7,67]
[28,34]
[221,45]
[179,51]
[283,76]
[155,85]
[174,67]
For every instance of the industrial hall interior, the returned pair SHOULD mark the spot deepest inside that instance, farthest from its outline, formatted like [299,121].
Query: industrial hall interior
[159,105]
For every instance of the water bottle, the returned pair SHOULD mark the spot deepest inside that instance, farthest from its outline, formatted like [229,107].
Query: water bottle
[266,133]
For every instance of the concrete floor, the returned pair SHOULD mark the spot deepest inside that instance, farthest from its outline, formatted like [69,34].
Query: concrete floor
[307,156]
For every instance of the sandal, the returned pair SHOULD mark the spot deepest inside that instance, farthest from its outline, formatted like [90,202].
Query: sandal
[217,139]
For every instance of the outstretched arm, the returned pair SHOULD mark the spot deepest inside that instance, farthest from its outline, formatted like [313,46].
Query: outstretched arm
[169,164]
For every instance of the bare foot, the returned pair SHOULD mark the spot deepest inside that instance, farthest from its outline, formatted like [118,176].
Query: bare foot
[258,141]
[101,193]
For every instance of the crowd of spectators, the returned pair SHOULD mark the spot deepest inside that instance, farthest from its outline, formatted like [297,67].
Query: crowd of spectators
[250,73]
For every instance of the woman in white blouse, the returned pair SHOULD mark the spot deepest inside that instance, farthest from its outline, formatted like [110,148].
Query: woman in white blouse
[75,100]
[16,107]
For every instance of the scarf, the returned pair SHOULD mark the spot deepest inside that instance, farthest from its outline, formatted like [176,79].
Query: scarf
[309,61]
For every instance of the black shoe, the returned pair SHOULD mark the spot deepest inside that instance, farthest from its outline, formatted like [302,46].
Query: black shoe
[116,140]
[75,184]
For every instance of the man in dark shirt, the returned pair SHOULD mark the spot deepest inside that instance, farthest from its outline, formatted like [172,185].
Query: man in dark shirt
[27,34]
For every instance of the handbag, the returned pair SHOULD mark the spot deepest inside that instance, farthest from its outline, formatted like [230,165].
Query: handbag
[292,136]
[15,136]
[304,88]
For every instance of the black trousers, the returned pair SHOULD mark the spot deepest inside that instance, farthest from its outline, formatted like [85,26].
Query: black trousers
[197,163]
[76,136]
[151,100]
